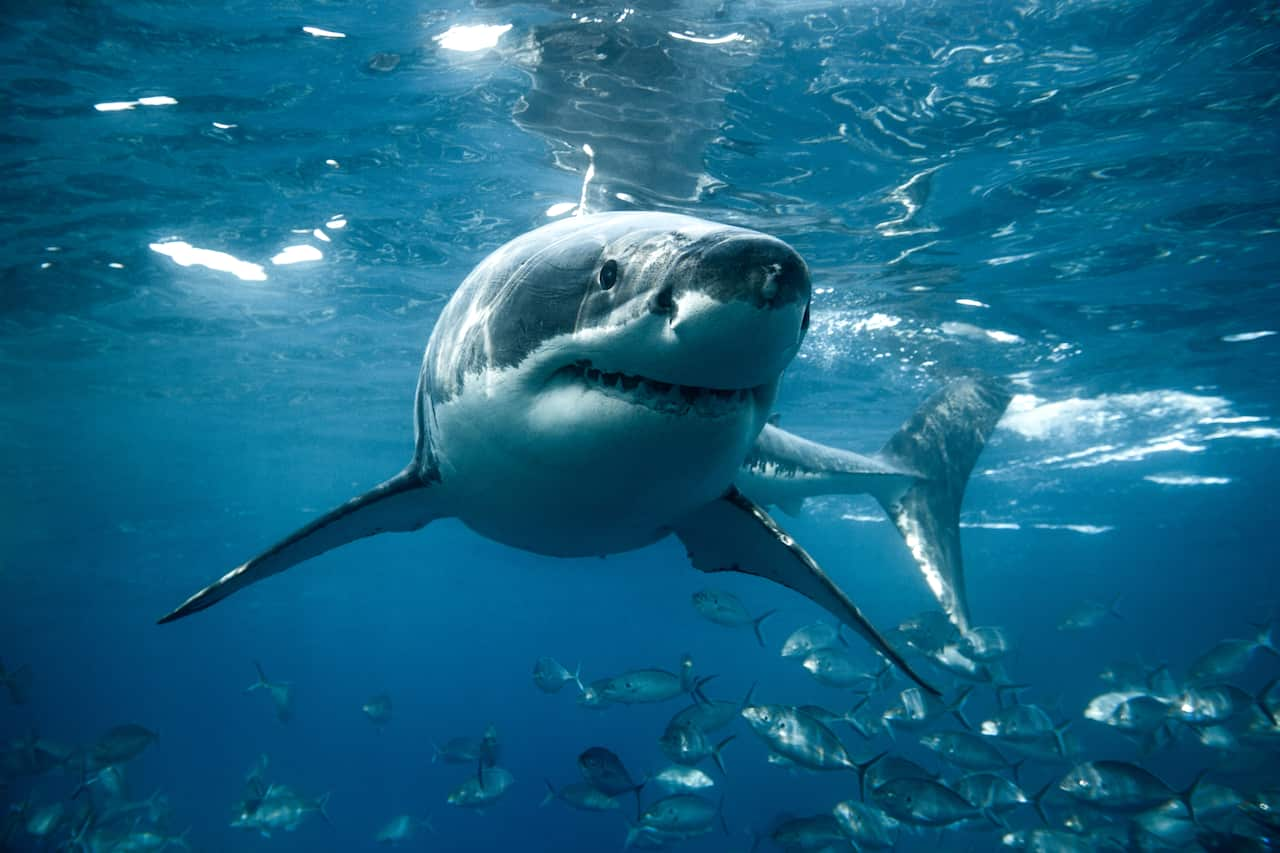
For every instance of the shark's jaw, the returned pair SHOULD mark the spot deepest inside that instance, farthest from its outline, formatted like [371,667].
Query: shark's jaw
[580,457]
[667,398]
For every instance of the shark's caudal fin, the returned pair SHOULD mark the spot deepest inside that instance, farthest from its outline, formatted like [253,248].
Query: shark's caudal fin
[941,443]
[402,503]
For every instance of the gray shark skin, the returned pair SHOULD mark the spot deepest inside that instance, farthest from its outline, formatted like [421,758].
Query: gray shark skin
[631,360]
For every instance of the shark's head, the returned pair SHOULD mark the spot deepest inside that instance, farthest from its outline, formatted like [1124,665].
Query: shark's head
[628,341]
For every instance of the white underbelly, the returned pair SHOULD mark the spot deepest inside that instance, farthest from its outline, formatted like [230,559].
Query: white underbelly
[573,472]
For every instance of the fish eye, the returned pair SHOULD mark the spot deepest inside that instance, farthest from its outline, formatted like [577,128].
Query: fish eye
[608,274]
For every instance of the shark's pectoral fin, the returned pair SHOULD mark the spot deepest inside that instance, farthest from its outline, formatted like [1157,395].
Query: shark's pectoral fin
[733,534]
[400,504]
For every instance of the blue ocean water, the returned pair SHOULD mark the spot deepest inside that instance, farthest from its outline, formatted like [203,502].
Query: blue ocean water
[1080,197]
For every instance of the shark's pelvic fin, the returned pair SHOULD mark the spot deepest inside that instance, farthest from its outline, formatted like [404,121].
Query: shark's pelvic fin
[941,442]
[733,534]
[400,504]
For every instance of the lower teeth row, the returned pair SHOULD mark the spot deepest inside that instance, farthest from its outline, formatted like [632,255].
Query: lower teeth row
[683,393]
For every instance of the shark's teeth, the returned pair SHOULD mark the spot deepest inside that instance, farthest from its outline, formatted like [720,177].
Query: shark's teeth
[656,394]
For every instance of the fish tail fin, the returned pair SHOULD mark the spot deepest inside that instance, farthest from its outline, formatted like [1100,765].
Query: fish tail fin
[851,716]
[957,707]
[1015,769]
[436,752]
[577,678]
[1113,605]
[1188,796]
[746,700]
[717,757]
[720,812]
[1059,740]
[322,803]
[940,443]
[1265,639]
[181,840]
[884,677]
[402,503]
[550,795]
[1038,802]
[755,624]
[426,824]
[639,802]
[862,769]
[696,690]
[85,781]
[1261,699]
[262,679]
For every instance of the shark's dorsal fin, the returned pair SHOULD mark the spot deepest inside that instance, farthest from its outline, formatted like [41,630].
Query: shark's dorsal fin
[733,534]
[406,502]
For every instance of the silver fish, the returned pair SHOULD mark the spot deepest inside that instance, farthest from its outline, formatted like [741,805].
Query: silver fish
[679,778]
[810,638]
[929,631]
[688,744]
[966,751]
[1230,657]
[990,792]
[680,813]
[817,832]
[724,608]
[1088,614]
[482,788]
[984,645]
[121,743]
[280,808]
[402,828]
[916,708]
[867,826]
[378,709]
[550,676]
[799,737]
[1117,786]
[281,694]
[835,667]
[604,771]
[923,802]
[581,796]
[1129,711]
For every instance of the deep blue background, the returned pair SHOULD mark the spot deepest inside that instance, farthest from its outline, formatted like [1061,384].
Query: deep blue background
[1102,177]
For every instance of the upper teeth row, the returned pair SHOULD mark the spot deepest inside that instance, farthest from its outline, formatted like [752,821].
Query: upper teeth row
[685,393]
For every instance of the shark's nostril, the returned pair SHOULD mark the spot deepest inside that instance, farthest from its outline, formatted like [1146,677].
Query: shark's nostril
[663,302]
[770,288]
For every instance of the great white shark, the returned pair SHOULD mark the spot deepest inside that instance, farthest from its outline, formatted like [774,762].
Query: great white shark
[606,381]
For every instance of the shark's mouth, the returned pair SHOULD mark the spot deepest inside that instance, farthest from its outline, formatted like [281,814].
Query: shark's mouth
[666,397]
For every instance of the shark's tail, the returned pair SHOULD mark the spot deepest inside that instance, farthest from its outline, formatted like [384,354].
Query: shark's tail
[941,443]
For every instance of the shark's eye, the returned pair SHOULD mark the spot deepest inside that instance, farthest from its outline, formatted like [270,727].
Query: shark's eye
[608,274]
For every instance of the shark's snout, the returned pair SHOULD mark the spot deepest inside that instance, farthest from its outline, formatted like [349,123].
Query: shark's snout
[754,268]
[738,305]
